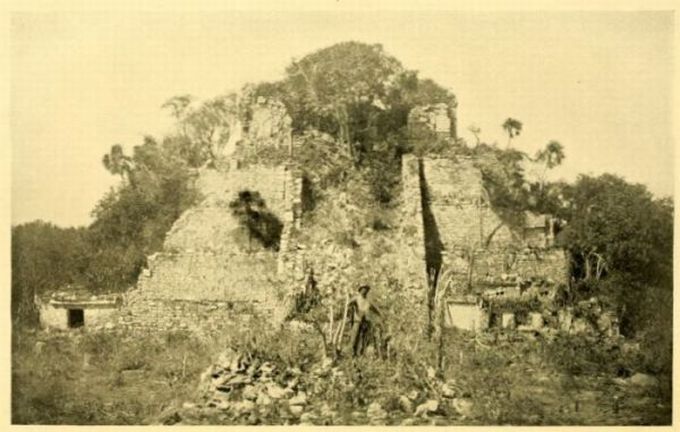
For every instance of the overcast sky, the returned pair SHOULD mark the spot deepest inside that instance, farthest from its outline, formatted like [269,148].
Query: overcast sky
[600,83]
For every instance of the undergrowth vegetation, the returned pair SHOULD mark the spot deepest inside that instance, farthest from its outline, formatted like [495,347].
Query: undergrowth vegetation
[121,378]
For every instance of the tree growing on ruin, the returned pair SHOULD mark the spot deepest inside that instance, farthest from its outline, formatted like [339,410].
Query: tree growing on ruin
[260,223]
[512,127]
[550,157]
[340,89]
[118,163]
[204,129]
[131,220]
[475,130]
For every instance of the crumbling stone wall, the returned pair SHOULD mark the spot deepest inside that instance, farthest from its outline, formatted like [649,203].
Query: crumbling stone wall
[204,316]
[270,124]
[439,118]
[207,258]
[412,269]
[550,265]
[210,225]
[476,247]
[209,275]
[460,205]
[289,259]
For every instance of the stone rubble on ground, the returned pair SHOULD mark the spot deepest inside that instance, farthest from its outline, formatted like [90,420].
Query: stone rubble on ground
[240,389]
[243,386]
[463,406]
[643,380]
[406,404]
[429,407]
[376,414]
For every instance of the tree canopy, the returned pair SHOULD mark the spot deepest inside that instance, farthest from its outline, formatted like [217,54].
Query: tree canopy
[617,226]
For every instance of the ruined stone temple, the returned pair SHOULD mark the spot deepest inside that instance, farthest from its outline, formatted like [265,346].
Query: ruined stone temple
[207,275]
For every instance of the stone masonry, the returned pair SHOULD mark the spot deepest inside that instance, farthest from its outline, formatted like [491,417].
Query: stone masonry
[449,224]
[412,268]
[208,274]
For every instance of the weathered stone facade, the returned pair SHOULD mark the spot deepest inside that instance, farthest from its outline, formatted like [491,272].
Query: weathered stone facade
[440,118]
[209,273]
[412,268]
[449,226]
[270,124]
[69,309]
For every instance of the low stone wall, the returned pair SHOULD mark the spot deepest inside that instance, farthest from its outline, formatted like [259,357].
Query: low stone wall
[209,276]
[206,317]
[466,316]
[546,264]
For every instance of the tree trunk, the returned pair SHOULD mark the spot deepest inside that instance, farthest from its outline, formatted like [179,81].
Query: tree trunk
[471,264]
[588,267]
[439,324]
[336,342]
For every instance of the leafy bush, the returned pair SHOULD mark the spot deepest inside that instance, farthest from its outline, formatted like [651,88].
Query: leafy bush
[579,355]
[262,225]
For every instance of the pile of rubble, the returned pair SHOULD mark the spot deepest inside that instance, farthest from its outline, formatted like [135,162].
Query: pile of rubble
[241,389]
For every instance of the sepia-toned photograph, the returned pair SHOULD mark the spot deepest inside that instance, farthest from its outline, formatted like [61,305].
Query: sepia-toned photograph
[341,217]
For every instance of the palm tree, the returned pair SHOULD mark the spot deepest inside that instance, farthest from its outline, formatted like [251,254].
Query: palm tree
[117,163]
[552,156]
[512,127]
[476,130]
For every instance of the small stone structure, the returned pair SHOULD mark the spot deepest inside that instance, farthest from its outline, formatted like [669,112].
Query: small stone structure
[74,309]
[466,314]
[465,227]
[440,118]
[539,230]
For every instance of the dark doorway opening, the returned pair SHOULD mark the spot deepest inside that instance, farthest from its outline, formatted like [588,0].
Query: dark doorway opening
[76,318]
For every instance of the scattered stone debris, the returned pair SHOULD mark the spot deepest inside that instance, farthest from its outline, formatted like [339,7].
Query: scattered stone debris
[406,404]
[376,414]
[643,380]
[243,387]
[463,406]
[429,407]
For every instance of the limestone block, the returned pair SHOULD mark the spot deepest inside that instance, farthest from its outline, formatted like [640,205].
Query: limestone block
[508,321]
[536,320]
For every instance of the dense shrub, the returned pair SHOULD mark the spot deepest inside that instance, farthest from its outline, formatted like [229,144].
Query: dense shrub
[262,225]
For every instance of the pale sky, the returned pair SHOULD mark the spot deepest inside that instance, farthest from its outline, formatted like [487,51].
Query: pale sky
[600,83]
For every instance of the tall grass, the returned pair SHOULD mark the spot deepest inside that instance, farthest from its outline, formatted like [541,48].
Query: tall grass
[86,378]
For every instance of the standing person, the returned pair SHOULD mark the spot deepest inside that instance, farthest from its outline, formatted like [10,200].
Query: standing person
[364,317]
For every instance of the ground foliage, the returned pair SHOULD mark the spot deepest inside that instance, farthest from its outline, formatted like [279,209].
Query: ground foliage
[125,378]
